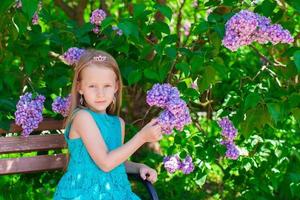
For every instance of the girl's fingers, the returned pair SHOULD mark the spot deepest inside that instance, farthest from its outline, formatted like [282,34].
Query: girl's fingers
[153,122]
[143,175]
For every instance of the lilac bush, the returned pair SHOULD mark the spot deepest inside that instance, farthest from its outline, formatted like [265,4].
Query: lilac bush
[247,27]
[29,112]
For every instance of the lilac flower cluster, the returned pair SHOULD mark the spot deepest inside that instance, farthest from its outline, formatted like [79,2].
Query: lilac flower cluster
[173,163]
[18,4]
[72,55]
[186,28]
[246,27]
[62,105]
[118,31]
[97,17]
[229,133]
[29,112]
[176,114]
[35,18]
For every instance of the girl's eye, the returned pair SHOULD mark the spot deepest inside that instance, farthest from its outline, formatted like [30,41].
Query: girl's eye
[91,86]
[107,85]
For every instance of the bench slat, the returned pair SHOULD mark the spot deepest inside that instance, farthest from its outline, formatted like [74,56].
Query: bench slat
[32,143]
[46,124]
[32,164]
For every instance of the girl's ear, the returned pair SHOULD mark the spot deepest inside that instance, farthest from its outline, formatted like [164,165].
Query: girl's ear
[117,86]
[78,87]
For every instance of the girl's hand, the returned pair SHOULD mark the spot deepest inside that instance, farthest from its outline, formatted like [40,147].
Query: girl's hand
[151,132]
[148,173]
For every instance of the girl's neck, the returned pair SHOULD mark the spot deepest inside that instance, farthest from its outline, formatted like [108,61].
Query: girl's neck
[92,109]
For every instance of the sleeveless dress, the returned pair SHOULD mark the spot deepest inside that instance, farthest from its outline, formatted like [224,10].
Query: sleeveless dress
[84,180]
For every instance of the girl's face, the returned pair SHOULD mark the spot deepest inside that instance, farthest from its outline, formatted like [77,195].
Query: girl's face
[98,85]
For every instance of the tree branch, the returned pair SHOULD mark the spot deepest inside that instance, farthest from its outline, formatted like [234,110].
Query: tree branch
[178,25]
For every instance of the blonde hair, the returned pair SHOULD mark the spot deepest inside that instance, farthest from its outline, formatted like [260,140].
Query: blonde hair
[86,60]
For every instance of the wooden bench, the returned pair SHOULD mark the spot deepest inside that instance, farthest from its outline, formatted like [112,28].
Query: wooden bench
[42,143]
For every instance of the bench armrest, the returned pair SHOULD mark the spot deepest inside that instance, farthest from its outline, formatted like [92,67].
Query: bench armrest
[151,190]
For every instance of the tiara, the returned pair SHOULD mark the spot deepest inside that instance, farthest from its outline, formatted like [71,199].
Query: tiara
[99,58]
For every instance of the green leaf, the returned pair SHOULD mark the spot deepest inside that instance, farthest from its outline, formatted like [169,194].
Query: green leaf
[20,22]
[161,27]
[197,63]
[171,52]
[129,28]
[251,100]
[146,50]
[209,77]
[138,9]
[201,28]
[7,105]
[266,8]
[106,22]
[29,7]
[5,4]
[151,74]
[297,59]
[165,10]
[275,109]
[255,118]
[296,114]
[184,67]
[295,4]
[134,77]
[30,65]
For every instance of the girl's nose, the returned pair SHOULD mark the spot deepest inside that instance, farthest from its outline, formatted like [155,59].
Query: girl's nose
[100,92]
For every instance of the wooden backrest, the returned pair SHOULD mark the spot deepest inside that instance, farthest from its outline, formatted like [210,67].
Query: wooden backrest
[18,144]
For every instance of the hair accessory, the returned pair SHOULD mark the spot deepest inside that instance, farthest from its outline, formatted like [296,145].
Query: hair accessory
[99,58]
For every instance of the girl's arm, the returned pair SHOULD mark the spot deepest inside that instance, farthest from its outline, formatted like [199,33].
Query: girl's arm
[138,168]
[85,126]
[133,167]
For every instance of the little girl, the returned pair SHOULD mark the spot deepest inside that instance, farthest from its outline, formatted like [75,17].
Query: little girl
[95,135]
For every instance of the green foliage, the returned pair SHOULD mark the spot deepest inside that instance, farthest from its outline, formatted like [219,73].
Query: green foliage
[263,102]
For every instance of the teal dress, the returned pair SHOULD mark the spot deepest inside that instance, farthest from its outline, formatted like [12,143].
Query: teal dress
[84,180]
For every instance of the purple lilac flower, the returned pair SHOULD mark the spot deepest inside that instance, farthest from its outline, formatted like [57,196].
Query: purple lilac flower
[29,112]
[172,163]
[176,106]
[187,165]
[62,105]
[194,86]
[96,30]
[186,28]
[195,4]
[159,95]
[246,27]
[167,121]
[18,4]
[118,31]
[182,119]
[72,55]
[35,18]
[232,151]
[176,113]
[97,17]
[228,130]
[229,133]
